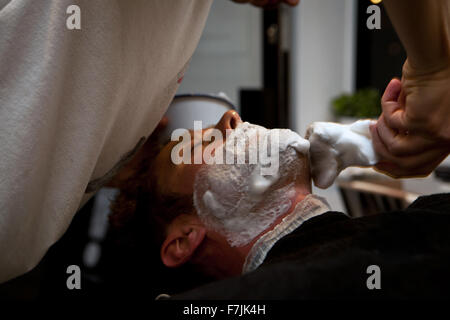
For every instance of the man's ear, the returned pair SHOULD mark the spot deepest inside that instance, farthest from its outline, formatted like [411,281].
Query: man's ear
[183,238]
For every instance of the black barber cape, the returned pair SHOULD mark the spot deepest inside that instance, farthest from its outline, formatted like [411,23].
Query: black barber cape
[329,255]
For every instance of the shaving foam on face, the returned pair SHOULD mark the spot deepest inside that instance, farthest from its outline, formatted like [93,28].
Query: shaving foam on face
[239,200]
[335,147]
[259,184]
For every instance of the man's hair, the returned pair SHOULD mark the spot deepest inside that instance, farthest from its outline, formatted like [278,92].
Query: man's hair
[141,211]
[140,215]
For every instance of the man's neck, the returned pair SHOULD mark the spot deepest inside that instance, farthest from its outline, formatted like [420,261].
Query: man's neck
[300,194]
[305,208]
[232,259]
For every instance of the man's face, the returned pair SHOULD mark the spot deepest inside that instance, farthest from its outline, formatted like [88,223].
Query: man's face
[228,197]
[179,178]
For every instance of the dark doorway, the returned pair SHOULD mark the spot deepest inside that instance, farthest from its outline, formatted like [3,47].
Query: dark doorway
[269,106]
[380,54]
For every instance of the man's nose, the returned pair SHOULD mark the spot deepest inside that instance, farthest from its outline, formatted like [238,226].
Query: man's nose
[230,120]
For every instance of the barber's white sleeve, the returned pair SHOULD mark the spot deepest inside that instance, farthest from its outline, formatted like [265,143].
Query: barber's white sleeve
[74,104]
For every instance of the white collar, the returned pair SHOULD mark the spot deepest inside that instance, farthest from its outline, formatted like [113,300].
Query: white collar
[311,206]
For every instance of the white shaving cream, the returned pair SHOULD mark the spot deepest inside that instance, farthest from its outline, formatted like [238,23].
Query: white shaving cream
[335,147]
[239,200]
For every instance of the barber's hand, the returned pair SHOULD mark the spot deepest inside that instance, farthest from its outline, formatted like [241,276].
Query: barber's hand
[268,3]
[412,136]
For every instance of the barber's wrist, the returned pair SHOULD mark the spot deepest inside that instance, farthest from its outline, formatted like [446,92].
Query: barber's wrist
[428,89]
[433,58]
[426,67]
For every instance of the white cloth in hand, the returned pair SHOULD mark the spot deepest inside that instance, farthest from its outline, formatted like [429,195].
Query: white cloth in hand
[335,147]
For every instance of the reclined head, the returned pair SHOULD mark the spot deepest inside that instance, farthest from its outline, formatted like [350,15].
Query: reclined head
[207,205]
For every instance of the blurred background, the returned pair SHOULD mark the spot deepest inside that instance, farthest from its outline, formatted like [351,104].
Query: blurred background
[285,67]
[316,62]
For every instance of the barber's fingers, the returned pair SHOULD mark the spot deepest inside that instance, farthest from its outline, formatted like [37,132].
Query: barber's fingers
[392,91]
[393,104]
[397,143]
[421,163]
[269,3]
[292,2]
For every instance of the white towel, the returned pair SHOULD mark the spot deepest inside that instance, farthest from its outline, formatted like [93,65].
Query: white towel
[334,147]
[73,102]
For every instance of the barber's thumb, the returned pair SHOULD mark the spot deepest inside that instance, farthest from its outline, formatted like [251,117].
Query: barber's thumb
[392,104]
[392,91]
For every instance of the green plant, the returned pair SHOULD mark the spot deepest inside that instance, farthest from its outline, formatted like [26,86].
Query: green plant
[364,103]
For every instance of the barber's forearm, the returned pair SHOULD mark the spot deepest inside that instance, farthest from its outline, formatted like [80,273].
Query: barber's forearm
[422,28]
